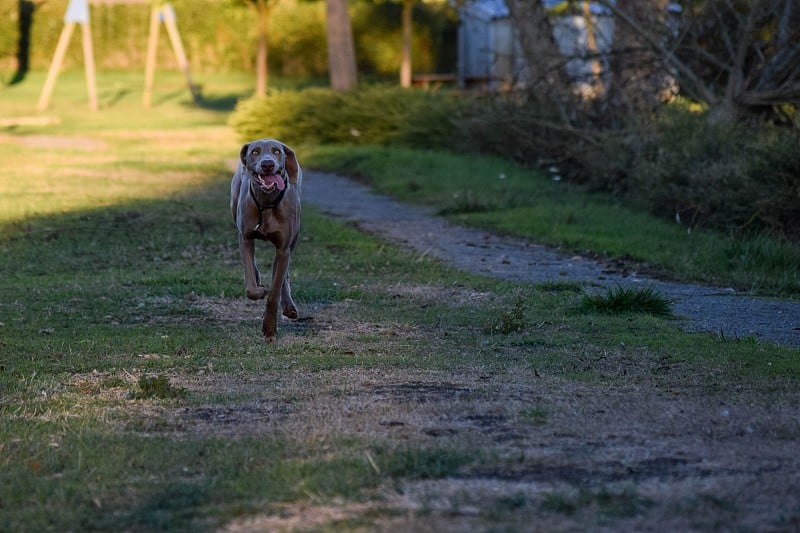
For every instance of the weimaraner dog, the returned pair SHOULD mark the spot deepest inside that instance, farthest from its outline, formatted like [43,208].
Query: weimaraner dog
[265,202]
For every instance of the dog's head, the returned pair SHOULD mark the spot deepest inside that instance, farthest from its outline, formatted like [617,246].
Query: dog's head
[270,163]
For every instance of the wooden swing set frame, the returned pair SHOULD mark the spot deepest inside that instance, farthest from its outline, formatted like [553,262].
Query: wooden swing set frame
[78,13]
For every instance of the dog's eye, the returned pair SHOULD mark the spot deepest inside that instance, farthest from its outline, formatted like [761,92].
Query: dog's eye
[256,151]
[276,151]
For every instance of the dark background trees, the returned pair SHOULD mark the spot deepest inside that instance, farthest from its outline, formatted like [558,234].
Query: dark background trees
[223,36]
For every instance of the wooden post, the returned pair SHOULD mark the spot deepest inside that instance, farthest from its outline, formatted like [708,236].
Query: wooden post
[167,14]
[88,65]
[405,55]
[177,45]
[77,13]
[55,65]
[152,48]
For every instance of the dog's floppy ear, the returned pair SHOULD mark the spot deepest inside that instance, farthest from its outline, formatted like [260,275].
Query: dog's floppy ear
[292,166]
[243,154]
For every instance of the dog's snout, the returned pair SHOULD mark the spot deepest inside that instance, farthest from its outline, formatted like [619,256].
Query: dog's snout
[267,166]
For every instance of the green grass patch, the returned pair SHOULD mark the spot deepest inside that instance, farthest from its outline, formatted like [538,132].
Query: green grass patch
[624,503]
[157,386]
[621,300]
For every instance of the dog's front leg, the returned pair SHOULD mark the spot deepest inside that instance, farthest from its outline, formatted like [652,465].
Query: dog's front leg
[280,266]
[252,287]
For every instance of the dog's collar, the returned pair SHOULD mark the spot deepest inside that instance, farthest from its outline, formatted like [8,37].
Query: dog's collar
[273,205]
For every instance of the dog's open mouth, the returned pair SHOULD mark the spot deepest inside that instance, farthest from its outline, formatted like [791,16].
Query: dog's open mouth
[269,183]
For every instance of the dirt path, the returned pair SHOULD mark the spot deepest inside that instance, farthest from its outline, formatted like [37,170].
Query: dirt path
[715,310]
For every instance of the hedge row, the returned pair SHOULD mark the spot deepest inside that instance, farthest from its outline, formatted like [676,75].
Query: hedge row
[374,114]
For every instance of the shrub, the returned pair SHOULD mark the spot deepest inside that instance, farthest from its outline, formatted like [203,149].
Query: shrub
[725,176]
[375,114]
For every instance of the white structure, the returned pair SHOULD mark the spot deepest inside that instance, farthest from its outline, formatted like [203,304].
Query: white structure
[489,54]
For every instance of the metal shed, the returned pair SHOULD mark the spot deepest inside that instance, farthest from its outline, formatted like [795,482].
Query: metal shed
[489,54]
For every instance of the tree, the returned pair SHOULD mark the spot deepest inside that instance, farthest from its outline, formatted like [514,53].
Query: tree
[263,9]
[25,9]
[591,47]
[545,62]
[405,51]
[735,56]
[341,51]
[638,75]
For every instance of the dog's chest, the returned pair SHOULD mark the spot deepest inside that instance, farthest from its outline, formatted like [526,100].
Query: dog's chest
[267,225]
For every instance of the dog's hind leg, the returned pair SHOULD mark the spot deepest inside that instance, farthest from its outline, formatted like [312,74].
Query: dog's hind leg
[289,307]
[280,267]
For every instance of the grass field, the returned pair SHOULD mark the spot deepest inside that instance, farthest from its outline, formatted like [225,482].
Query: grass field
[137,394]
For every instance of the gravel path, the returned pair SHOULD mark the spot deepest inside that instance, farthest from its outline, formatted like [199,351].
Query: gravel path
[718,311]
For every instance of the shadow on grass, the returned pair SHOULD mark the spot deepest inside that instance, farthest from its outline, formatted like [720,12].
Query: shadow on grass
[222,103]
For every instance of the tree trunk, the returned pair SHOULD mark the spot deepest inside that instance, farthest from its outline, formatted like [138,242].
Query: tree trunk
[546,70]
[25,12]
[262,55]
[405,60]
[341,51]
[640,79]
[591,46]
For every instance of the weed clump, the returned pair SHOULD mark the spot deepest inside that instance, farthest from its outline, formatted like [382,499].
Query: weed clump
[157,386]
[512,319]
[620,300]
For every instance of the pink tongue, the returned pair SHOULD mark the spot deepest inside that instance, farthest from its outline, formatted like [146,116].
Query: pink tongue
[275,179]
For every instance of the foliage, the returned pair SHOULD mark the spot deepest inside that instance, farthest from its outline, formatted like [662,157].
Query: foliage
[677,163]
[727,176]
[376,114]
[220,35]
[621,300]
[747,54]
[511,318]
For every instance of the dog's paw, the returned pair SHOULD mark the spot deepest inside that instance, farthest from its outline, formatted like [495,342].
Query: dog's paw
[291,312]
[259,293]
[270,334]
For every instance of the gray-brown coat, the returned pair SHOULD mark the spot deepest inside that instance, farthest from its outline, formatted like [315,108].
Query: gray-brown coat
[265,203]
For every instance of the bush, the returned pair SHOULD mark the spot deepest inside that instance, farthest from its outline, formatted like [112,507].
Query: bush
[739,177]
[725,176]
[372,115]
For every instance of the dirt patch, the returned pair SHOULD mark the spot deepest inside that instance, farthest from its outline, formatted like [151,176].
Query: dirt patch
[544,438]
[573,455]
[299,517]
